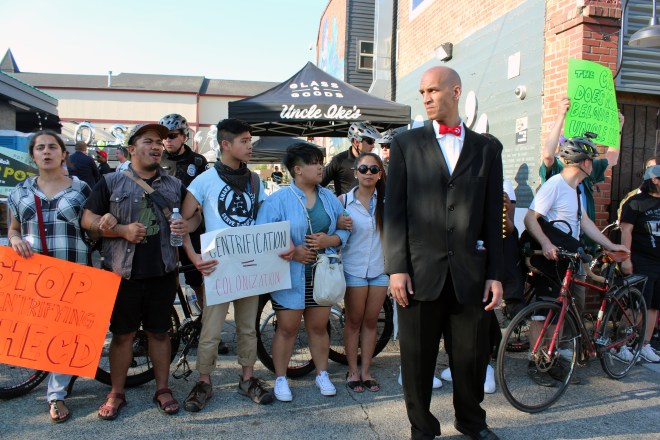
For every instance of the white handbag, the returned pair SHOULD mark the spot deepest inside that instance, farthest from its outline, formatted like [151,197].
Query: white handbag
[328,275]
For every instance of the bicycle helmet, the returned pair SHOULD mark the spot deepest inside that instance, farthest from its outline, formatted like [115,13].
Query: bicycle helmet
[175,122]
[360,130]
[387,137]
[577,149]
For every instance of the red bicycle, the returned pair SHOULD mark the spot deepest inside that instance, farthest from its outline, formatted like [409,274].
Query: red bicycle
[547,339]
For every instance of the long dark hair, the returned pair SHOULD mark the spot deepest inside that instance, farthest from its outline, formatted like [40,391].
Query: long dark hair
[380,189]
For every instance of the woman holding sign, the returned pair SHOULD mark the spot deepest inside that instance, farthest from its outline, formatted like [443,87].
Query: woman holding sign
[313,212]
[52,203]
[364,269]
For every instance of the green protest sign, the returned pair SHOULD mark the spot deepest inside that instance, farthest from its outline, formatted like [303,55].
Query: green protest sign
[15,167]
[593,103]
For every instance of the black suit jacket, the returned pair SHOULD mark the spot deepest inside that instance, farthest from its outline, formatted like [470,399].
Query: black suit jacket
[433,220]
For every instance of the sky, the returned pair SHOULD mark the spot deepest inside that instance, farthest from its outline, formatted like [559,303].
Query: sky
[257,40]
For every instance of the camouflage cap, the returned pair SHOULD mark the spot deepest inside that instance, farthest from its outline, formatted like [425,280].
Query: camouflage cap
[141,128]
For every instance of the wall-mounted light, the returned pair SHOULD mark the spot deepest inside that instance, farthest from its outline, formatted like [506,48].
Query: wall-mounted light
[648,36]
[19,106]
[444,51]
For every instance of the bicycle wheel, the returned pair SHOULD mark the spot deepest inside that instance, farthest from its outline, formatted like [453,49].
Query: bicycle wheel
[384,330]
[623,325]
[141,369]
[533,379]
[301,362]
[16,381]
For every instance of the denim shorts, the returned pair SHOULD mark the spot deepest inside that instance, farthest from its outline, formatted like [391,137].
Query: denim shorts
[381,280]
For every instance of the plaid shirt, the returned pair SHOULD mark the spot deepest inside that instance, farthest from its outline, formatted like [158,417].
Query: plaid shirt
[64,236]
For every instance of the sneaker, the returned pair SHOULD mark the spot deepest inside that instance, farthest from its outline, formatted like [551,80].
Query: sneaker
[648,354]
[437,383]
[559,373]
[256,390]
[539,377]
[489,383]
[199,395]
[282,390]
[324,384]
[623,355]
[446,375]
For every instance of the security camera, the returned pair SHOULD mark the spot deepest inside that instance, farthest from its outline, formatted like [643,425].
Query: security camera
[520,92]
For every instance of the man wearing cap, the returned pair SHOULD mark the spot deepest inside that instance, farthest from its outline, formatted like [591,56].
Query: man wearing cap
[136,245]
[362,136]
[122,157]
[83,166]
[384,143]
[640,231]
[102,159]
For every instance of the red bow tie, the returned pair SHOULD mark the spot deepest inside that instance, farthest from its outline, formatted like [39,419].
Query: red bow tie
[456,131]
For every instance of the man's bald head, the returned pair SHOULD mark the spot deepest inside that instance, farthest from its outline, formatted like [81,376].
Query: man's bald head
[441,89]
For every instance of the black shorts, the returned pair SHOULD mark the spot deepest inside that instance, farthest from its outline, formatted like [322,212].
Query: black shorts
[148,302]
[651,290]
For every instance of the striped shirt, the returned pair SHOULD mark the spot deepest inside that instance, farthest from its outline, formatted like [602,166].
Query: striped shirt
[61,214]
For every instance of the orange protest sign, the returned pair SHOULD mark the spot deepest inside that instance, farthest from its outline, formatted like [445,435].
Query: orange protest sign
[54,314]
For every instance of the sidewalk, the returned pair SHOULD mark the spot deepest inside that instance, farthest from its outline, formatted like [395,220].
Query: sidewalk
[599,408]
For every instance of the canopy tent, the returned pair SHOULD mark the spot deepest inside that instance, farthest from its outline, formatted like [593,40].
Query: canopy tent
[313,103]
[271,149]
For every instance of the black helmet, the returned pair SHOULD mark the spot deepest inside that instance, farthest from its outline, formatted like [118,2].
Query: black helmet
[577,149]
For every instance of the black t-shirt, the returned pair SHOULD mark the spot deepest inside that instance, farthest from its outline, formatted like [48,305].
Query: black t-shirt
[148,259]
[643,212]
[277,176]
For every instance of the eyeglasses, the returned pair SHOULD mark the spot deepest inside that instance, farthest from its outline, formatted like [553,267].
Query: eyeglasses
[363,169]
[384,147]
[369,141]
[173,135]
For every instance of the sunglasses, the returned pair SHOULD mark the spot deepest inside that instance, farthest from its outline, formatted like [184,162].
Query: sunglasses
[364,169]
[173,135]
[384,147]
[369,141]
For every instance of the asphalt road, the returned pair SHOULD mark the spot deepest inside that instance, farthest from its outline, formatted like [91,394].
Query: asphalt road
[599,408]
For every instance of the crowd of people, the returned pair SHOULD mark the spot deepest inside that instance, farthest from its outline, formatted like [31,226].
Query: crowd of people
[423,218]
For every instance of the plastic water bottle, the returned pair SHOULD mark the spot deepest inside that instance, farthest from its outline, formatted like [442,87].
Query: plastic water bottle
[191,297]
[175,239]
[480,245]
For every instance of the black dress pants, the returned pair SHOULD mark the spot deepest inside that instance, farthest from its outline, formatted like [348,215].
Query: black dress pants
[466,329]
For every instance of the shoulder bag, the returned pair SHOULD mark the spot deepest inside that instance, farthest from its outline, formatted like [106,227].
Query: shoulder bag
[328,276]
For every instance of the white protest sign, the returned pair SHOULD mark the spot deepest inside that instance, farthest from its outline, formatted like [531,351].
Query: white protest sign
[248,261]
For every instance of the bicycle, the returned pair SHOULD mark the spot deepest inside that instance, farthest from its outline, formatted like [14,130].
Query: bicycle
[548,338]
[301,359]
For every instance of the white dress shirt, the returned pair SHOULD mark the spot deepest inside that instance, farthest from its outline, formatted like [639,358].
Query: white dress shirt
[450,145]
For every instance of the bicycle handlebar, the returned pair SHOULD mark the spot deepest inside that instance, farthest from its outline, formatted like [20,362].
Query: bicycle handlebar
[580,255]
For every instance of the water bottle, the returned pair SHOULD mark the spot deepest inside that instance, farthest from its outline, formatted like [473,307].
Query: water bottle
[480,245]
[191,297]
[175,240]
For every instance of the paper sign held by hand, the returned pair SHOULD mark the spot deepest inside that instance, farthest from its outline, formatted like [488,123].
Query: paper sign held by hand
[248,261]
[54,315]
[593,103]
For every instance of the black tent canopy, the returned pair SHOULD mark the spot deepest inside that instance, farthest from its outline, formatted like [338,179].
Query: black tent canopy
[273,148]
[314,103]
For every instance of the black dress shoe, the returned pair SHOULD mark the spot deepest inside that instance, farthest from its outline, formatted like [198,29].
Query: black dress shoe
[484,434]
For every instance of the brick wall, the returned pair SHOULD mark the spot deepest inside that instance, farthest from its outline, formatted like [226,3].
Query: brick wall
[442,21]
[583,31]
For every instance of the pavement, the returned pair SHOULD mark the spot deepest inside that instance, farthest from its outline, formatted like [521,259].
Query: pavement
[599,408]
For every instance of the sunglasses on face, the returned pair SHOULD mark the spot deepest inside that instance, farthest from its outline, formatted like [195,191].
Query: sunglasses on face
[173,135]
[384,147]
[364,169]
[369,141]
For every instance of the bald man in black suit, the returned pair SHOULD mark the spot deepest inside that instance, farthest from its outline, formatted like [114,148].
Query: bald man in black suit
[443,245]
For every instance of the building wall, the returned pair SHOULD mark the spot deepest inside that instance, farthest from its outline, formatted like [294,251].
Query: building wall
[360,27]
[331,41]
[482,60]
[7,117]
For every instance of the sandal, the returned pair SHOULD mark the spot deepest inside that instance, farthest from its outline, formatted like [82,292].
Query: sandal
[371,385]
[354,385]
[113,411]
[165,408]
[58,418]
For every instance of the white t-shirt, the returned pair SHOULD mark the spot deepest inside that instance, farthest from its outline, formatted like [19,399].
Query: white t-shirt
[557,200]
[222,206]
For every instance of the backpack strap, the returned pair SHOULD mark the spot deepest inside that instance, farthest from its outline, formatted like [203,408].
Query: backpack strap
[255,189]
[148,189]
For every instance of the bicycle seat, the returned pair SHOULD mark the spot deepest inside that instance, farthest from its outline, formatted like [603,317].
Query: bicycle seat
[618,256]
